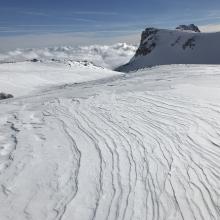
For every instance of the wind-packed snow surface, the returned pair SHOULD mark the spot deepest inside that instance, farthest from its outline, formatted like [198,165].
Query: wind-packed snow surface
[144,145]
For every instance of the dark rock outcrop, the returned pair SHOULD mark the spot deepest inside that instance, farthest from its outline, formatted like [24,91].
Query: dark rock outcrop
[190,27]
[148,41]
[34,60]
[5,96]
[190,43]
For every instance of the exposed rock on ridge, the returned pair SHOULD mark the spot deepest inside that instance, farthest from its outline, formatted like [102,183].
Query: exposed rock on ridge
[148,41]
[190,27]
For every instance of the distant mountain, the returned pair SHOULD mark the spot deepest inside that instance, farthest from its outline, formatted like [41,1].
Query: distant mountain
[185,45]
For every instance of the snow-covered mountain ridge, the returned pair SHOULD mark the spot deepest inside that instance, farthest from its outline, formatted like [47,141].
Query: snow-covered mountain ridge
[185,45]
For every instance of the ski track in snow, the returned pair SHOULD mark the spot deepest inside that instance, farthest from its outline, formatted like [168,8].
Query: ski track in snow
[128,150]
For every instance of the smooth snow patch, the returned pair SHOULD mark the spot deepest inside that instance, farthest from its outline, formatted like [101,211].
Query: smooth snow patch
[24,77]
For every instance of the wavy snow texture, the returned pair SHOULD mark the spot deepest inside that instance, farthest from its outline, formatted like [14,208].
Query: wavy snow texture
[138,146]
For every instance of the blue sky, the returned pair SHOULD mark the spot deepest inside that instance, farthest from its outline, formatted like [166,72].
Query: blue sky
[43,22]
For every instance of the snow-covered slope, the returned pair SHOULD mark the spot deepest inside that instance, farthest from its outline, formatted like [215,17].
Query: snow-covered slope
[160,46]
[22,78]
[106,56]
[144,145]
[25,70]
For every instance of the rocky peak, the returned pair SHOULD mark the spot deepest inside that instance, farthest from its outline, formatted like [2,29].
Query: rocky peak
[190,27]
[147,33]
[148,41]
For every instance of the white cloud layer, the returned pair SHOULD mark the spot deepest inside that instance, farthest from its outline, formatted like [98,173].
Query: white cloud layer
[74,39]
[210,28]
[105,56]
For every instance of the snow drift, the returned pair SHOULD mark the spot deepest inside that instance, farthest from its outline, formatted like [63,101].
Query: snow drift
[185,45]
